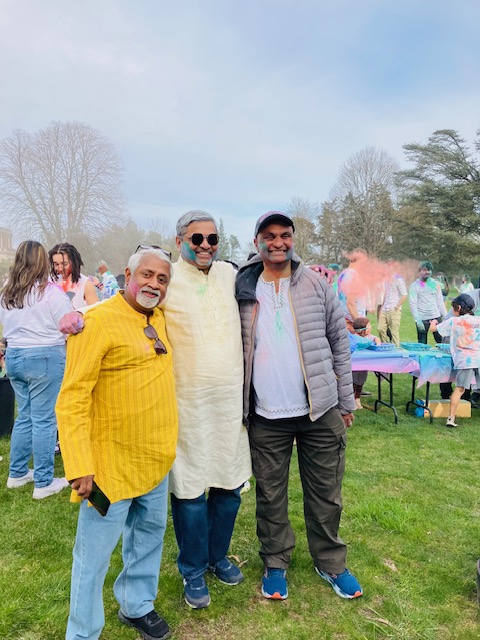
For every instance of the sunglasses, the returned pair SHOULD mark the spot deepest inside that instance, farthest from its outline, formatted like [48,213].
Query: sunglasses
[198,238]
[145,247]
[151,333]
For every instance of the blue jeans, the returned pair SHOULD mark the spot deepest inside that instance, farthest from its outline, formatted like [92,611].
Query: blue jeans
[142,521]
[203,528]
[36,376]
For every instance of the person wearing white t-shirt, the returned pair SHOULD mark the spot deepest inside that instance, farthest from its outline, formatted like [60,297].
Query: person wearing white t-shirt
[30,310]
[463,329]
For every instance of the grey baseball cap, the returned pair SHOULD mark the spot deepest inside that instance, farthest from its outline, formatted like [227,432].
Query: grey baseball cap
[271,217]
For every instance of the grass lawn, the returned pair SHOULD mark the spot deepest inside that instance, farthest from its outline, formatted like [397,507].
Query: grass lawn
[411,516]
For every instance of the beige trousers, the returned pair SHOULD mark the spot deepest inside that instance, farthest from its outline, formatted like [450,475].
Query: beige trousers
[389,320]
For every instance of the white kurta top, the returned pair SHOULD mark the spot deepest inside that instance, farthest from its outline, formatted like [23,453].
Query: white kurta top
[203,326]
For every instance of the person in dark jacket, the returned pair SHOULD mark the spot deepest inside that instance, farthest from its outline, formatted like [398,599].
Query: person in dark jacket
[298,386]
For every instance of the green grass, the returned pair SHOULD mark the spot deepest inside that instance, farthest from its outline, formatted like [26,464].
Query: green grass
[411,510]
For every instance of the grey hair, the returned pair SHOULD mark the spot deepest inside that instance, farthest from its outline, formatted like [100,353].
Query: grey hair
[102,263]
[197,215]
[135,258]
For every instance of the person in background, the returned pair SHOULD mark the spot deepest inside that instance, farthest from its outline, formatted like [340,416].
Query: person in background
[65,270]
[117,419]
[362,335]
[213,457]
[108,283]
[351,290]
[389,312]
[30,310]
[335,268]
[426,302]
[466,286]
[298,386]
[463,329]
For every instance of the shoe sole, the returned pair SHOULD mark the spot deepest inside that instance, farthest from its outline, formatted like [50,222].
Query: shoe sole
[336,588]
[274,596]
[144,635]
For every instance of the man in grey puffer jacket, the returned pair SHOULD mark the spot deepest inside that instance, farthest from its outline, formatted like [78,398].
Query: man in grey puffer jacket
[298,386]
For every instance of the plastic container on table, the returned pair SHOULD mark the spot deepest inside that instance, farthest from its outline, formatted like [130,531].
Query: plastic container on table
[384,346]
[415,346]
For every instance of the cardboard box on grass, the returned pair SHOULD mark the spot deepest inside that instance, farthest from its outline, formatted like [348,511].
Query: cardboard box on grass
[440,409]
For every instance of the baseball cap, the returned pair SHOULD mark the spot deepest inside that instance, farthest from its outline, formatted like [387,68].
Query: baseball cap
[465,301]
[270,217]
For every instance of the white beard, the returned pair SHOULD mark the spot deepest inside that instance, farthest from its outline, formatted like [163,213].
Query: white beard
[146,302]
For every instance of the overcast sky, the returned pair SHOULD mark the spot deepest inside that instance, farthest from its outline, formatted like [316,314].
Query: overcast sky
[235,106]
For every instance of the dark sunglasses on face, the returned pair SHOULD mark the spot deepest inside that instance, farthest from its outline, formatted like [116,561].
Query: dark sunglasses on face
[151,333]
[198,238]
[145,247]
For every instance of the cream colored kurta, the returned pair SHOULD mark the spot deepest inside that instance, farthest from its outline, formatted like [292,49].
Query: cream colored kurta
[203,326]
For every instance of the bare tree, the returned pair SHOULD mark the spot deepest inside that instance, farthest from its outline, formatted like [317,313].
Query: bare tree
[362,205]
[365,171]
[60,182]
[305,217]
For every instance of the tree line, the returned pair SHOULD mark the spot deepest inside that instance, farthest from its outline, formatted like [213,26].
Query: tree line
[66,183]
[429,211]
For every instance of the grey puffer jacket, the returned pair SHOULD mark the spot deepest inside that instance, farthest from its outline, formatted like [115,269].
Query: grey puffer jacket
[321,331]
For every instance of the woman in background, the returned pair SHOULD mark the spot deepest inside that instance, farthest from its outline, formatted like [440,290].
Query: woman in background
[30,310]
[65,264]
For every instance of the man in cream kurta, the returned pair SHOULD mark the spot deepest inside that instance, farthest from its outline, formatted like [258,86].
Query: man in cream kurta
[203,326]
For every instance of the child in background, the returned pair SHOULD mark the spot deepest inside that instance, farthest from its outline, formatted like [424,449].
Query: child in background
[463,328]
[361,339]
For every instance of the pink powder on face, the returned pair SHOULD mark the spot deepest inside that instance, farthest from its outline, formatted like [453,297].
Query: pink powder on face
[133,287]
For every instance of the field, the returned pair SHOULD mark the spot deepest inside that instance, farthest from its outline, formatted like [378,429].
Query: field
[411,521]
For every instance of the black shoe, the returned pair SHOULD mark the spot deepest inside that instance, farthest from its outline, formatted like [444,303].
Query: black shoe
[151,626]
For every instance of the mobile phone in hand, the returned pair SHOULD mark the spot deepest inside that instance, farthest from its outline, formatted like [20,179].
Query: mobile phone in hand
[98,499]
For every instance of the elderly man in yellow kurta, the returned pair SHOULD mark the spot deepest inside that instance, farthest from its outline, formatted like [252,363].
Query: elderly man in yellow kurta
[213,458]
[117,418]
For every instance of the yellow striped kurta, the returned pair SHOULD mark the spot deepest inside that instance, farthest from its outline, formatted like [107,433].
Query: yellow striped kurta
[116,411]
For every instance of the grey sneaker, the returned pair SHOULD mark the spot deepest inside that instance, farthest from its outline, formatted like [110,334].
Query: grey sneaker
[56,486]
[196,592]
[14,483]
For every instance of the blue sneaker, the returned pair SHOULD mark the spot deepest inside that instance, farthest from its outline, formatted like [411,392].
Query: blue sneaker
[226,572]
[344,584]
[274,584]
[196,592]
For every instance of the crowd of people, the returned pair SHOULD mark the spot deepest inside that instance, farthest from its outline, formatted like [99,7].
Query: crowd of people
[184,382]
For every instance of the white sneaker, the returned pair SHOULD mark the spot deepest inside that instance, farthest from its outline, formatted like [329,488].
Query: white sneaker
[14,483]
[55,487]
[245,488]
[451,422]
[358,403]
